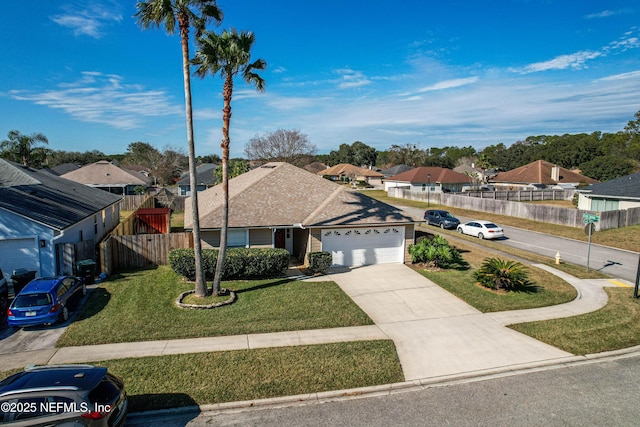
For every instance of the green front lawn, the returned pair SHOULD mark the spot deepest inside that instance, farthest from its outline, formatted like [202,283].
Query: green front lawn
[140,306]
[231,376]
[550,289]
[613,327]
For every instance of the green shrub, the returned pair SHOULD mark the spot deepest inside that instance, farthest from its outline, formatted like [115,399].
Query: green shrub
[238,263]
[436,253]
[496,273]
[319,262]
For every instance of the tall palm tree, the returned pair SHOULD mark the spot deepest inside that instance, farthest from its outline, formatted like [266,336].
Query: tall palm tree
[26,149]
[230,54]
[187,14]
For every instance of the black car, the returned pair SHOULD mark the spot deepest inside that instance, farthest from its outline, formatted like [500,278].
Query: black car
[440,218]
[78,395]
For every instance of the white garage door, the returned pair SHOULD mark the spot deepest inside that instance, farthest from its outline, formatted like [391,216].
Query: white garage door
[18,253]
[364,246]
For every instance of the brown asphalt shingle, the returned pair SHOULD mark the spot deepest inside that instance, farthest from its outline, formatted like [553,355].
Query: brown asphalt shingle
[280,194]
[539,172]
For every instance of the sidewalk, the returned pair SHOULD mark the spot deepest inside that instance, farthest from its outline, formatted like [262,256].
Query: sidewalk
[435,333]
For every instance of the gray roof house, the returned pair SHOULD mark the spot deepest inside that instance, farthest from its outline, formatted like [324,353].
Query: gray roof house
[280,205]
[43,217]
[615,194]
[204,178]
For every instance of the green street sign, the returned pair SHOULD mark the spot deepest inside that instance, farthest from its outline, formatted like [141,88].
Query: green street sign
[587,218]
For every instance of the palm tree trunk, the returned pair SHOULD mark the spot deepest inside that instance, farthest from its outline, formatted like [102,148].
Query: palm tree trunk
[200,285]
[226,121]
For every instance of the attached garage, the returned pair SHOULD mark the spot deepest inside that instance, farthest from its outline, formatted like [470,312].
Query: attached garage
[19,253]
[364,246]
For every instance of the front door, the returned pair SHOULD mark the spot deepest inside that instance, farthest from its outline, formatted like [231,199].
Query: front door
[279,239]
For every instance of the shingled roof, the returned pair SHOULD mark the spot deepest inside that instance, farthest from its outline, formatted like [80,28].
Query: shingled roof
[625,187]
[204,175]
[104,173]
[48,199]
[281,195]
[433,174]
[343,169]
[540,172]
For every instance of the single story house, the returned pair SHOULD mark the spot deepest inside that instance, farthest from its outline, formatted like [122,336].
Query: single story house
[349,173]
[205,178]
[429,178]
[278,205]
[41,214]
[540,175]
[395,170]
[107,176]
[612,195]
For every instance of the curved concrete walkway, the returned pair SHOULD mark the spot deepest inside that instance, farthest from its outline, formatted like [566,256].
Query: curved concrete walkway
[435,333]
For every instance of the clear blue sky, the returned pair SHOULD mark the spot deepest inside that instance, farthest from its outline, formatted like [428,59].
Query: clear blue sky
[425,72]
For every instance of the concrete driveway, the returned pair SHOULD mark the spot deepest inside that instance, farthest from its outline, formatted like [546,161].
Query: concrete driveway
[435,333]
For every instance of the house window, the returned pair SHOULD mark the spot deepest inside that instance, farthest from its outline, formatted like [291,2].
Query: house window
[237,238]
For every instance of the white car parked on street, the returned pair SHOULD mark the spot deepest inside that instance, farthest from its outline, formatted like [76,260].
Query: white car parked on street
[481,229]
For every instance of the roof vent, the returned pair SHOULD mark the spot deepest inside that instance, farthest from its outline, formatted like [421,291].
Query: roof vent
[268,166]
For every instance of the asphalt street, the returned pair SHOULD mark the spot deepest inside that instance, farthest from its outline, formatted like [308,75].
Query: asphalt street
[614,262]
[595,393]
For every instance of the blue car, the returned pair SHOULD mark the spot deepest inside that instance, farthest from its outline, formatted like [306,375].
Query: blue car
[45,300]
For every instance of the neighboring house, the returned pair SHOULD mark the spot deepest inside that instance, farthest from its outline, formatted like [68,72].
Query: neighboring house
[64,168]
[540,175]
[205,178]
[350,173]
[428,178]
[280,205]
[41,212]
[108,177]
[612,195]
[315,167]
[477,175]
[395,170]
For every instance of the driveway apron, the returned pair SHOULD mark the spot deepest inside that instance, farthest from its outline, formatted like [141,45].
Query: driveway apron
[435,333]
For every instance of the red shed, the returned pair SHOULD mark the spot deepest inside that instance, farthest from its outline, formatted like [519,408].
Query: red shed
[153,221]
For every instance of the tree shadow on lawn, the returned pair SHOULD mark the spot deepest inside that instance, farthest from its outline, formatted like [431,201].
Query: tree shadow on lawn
[265,285]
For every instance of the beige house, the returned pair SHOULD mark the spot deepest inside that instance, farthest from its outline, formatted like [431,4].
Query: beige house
[279,205]
[350,173]
[539,175]
[107,176]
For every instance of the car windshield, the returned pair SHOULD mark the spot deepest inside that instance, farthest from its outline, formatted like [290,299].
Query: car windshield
[31,300]
[491,225]
[446,215]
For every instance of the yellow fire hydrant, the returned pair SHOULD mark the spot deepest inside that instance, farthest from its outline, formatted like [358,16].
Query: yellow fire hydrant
[558,259]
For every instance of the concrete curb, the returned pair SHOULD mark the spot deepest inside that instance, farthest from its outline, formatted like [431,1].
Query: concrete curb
[385,389]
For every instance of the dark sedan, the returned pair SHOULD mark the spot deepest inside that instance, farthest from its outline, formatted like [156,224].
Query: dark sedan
[440,218]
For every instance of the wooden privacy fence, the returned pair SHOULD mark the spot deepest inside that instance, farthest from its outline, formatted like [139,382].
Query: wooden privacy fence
[120,253]
[536,212]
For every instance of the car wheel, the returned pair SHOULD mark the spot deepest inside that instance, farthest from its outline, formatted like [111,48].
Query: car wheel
[459,230]
[442,225]
[481,236]
[65,314]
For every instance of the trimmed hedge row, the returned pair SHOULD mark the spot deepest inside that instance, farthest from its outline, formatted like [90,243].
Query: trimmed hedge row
[319,262]
[238,263]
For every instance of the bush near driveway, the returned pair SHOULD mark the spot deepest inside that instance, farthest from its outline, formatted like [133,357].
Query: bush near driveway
[140,306]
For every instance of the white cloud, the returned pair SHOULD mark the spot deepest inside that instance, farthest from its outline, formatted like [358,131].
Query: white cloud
[351,78]
[88,19]
[104,98]
[448,84]
[576,60]
[606,14]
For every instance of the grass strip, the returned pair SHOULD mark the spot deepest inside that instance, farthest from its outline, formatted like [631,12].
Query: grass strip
[140,306]
[613,327]
[161,382]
